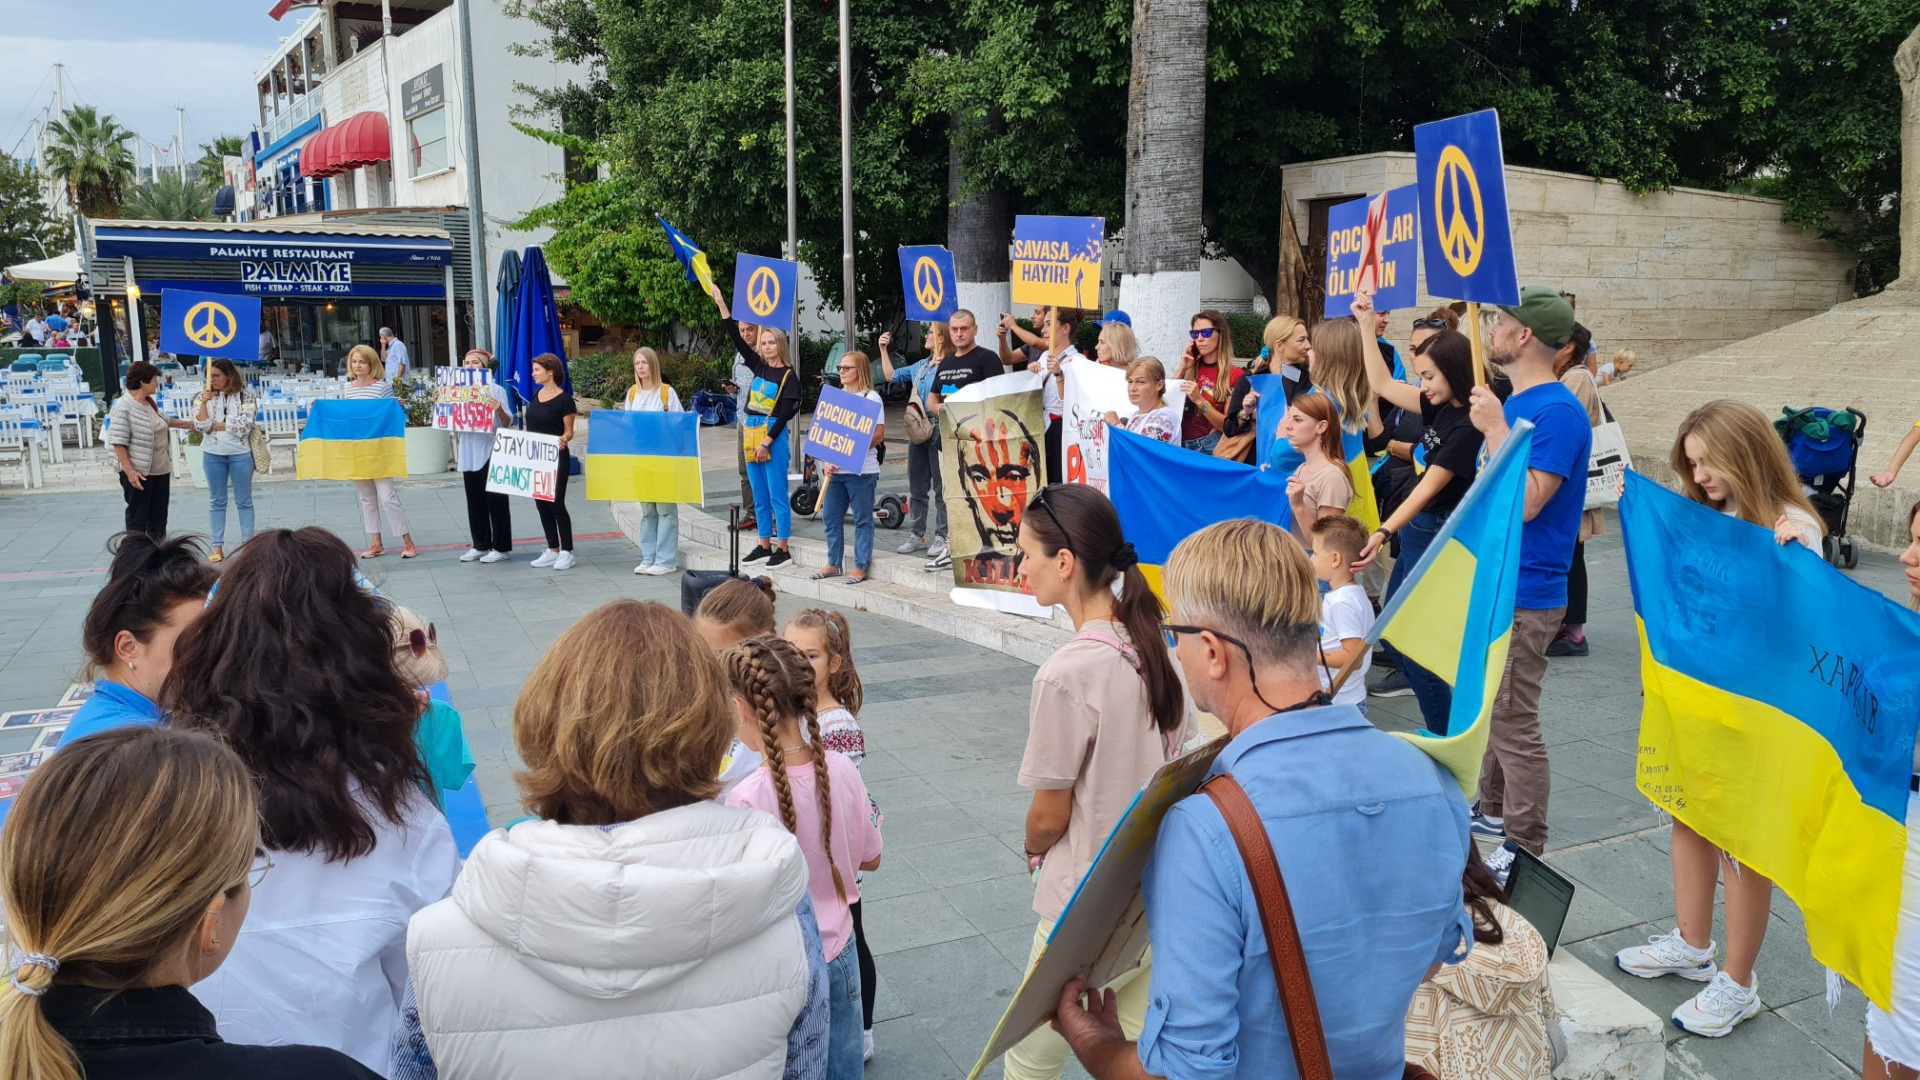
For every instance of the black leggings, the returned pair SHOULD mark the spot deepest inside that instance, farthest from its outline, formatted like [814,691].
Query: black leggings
[869,975]
[489,516]
[1577,588]
[554,519]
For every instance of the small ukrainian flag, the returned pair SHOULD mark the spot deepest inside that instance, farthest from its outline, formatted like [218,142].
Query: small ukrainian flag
[691,257]
[353,440]
[644,457]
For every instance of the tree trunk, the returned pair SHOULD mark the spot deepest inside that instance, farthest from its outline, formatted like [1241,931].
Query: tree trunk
[1166,143]
[980,232]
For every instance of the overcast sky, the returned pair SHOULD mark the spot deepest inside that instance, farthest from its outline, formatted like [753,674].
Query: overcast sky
[137,59]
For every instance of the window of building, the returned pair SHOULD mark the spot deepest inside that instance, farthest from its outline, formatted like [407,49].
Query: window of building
[428,135]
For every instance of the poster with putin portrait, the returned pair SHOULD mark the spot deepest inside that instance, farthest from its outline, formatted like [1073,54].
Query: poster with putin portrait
[992,435]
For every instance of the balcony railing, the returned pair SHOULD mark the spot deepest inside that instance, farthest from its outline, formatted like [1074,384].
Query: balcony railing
[299,113]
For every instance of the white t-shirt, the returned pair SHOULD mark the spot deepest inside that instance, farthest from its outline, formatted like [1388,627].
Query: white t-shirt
[1809,528]
[1345,613]
[1052,399]
[664,399]
[871,465]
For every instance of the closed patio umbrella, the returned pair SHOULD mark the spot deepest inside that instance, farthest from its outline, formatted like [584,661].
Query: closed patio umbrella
[536,324]
[506,305]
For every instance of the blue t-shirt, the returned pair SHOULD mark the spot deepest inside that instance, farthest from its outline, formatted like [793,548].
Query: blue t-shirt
[112,705]
[1562,441]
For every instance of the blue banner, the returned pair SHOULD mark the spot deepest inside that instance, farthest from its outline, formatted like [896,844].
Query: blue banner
[1374,244]
[1056,260]
[842,428]
[1465,230]
[210,324]
[1268,412]
[149,242]
[764,291]
[930,283]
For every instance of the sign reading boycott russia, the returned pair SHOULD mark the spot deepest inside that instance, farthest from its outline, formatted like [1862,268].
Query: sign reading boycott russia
[210,324]
[927,277]
[1373,245]
[763,291]
[463,399]
[1465,230]
[842,428]
[1056,260]
[524,463]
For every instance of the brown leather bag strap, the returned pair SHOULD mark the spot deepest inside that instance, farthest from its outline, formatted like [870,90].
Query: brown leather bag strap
[1276,917]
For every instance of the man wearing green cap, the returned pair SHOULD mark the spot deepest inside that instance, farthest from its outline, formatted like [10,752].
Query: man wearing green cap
[1522,341]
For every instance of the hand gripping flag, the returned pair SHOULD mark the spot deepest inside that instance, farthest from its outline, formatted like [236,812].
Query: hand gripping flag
[1165,494]
[1781,704]
[690,255]
[363,439]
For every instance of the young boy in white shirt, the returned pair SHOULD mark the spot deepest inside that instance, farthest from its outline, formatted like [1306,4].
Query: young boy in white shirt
[1345,611]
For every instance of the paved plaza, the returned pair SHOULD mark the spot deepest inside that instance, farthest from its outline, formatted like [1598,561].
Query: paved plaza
[949,913]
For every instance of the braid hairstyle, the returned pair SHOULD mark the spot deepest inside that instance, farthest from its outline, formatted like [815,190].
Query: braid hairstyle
[844,684]
[773,675]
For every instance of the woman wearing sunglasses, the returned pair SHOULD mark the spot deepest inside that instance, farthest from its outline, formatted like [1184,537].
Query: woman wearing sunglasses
[108,927]
[1209,369]
[1107,711]
[294,665]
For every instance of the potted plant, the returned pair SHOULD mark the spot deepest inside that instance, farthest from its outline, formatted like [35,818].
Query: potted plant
[429,449]
[196,456]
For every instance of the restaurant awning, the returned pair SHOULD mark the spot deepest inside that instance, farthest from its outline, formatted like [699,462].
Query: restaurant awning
[360,139]
[60,270]
[223,201]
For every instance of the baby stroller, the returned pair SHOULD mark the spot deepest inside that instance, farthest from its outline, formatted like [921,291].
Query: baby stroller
[1824,445]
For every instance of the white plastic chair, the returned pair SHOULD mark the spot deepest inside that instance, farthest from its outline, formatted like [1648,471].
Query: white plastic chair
[17,445]
[281,420]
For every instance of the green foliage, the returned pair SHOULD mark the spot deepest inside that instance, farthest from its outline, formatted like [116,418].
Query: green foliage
[88,152]
[212,162]
[169,198]
[28,230]
[1247,331]
[606,376]
[417,400]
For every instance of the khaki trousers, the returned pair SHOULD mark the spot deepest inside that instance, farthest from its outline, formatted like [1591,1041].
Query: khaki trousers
[1514,778]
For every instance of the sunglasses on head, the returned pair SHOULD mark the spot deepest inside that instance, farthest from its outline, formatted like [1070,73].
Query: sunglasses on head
[1430,324]
[1203,332]
[418,640]
[1066,537]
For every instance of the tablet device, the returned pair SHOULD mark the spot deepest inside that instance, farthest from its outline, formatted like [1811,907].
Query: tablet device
[1541,895]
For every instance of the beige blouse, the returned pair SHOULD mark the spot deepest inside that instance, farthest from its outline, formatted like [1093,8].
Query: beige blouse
[1581,381]
[1486,1017]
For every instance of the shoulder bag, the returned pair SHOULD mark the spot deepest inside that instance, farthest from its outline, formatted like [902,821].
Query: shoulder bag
[919,424]
[1607,460]
[257,440]
[1289,957]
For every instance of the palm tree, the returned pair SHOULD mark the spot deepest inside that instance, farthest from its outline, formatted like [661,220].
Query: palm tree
[1166,140]
[169,198]
[212,164]
[88,153]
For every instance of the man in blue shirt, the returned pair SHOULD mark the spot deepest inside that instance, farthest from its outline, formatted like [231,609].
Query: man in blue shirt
[1523,341]
[1370,833]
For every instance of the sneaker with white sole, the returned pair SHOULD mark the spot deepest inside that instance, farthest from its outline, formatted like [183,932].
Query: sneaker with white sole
[473,555]
[938,558]
[1500,862]
[564,562]
[661,569]
[1491,828]
[866,1045]
[644,568]
[1668,954]
[495,556]
[546,559]
[910,545]
[1719,1008]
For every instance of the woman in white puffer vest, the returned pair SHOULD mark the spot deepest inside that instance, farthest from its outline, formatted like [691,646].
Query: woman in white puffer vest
[637,928]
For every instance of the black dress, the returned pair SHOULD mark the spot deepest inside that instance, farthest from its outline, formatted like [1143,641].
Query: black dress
[550,418]
[164,1033]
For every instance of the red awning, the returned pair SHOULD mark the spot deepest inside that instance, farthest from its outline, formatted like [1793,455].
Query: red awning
[360,139]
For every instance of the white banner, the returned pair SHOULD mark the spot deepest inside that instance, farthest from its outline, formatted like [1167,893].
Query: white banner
[1093,390]
[463,399]
[524,463]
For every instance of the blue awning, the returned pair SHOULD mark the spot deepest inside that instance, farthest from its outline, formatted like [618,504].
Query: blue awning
[223,202]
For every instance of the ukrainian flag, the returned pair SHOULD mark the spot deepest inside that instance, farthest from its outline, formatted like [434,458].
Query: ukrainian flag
[1781,705]
[644,456]
[1165,494]
[362,439]
[1453,615]
[690,256]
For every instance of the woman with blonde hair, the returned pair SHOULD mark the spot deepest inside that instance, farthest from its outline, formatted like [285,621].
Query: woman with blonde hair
[853,490]
[1284,346]
[1210,372]
[772,402]
[659,521]
[489,515]
[925,490]
[367,378]
[634,911]
[1728,457]
[1147,392]
[1116,346]
[107,926]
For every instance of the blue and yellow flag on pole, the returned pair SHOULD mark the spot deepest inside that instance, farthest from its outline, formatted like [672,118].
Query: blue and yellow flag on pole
[690,255]
[1453,615]
[353,440]
[1166,493]
[644,457]
[1781,704]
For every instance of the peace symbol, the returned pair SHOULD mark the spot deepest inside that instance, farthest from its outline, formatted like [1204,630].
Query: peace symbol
[1461,240]
[203,324]
[763,291]
[929,285]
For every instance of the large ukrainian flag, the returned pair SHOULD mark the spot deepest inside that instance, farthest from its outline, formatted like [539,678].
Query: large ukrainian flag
[1453,615]
[1781,704]
[644,456]
[363,439]
[1166,493]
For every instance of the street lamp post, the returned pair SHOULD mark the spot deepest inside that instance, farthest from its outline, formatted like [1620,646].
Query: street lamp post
[846,174]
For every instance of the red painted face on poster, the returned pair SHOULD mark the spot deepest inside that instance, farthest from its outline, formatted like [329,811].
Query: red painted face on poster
[998,459]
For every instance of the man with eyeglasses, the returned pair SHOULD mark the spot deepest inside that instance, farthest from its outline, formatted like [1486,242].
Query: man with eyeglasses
[1370,834]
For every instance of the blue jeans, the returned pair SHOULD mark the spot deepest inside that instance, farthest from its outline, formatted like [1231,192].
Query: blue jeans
[845,1046]
[660,533]
[219,469]
[1435,696]
[844,489]
[1204,444]
[769,480]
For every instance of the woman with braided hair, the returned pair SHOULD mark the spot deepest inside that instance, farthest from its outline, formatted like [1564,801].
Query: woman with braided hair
[807,788]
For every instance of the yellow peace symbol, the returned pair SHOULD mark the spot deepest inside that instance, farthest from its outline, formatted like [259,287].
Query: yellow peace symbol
[763,291]
[929,285]
[1461,240]
[203,324]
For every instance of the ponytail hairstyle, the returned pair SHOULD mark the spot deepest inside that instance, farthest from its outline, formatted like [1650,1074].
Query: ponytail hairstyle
[772,675]
[844,684]
[742,605]
[1319,407]
[147,579]
[1340,371]
[90,901]
[1080,519]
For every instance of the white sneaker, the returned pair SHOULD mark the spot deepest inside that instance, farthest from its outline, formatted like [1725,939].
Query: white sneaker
[910,545]
[1500,862]
[473,555]
[661,569]
[866,1045]
[644,568]
[495,556]
[939,557]
[1668,954]
[1719,1008]
[546,559]
[564,562]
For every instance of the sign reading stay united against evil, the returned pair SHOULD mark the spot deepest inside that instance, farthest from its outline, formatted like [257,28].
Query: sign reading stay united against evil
[927,277]
[210,324]
[763,291]
[1056,260]
[1466,234]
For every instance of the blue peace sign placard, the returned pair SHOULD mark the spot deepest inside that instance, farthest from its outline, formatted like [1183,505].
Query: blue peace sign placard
[763,291]
[1466,235]
[210,324]
[927,278]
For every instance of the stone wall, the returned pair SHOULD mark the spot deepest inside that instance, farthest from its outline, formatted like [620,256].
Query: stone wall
[1670,275]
